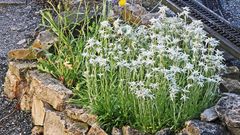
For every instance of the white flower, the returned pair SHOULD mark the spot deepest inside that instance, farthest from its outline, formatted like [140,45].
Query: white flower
[100,74]
[98,49]
[101,61]
[116,23]
[144,93]
[147,53]
[90,43]
[184,97]
[105,24]
[175,69]
[84,54]
[140,83]
[189,66]
[186,11]
[149,62]
[154,85]
[149,75]
[128,50]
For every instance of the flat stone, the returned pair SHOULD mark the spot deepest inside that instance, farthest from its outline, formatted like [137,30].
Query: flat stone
[49,90]
[23,41]
[81,115]
[44,40]
[22,54]
[209,115]
[11,85]
[39,109]
[196,127]
[20,68]
[228,110]
[127,130]
[96,130]
[57,124]
[230,85]
[26,103]
[37,130]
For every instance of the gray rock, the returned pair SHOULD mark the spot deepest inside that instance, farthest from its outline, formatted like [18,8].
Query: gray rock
[232,72]
[230,85]
[127,130]
[165,131]
[209,115]
[228,110]
[196,127]
[116,131]
[232,69]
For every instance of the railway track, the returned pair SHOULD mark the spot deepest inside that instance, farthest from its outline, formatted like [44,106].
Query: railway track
[215,6]
[214,24]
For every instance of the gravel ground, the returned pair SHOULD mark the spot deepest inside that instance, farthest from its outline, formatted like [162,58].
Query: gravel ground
[17,24]
[232,7]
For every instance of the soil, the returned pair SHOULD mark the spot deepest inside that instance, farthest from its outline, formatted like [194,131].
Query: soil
[18,21]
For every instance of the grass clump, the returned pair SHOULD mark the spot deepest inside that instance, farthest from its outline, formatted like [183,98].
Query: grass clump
[148,77]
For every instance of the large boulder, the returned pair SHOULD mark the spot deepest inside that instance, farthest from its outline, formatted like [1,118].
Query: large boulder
[196,127]
[228,109]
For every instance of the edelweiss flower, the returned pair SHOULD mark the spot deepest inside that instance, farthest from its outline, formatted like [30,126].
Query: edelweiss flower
[144,93]
[105,24]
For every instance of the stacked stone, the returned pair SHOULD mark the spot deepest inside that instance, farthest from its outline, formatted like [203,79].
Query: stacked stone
[47,98]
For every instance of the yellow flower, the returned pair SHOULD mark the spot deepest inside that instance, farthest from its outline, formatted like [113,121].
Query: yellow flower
[122,3]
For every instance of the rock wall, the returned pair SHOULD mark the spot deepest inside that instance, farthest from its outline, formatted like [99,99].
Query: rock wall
[47,98]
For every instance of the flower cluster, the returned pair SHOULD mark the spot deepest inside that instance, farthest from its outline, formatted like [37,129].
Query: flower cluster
[169,49]
[168,60]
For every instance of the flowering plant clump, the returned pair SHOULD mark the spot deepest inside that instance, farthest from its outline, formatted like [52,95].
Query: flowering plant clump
[150,77]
